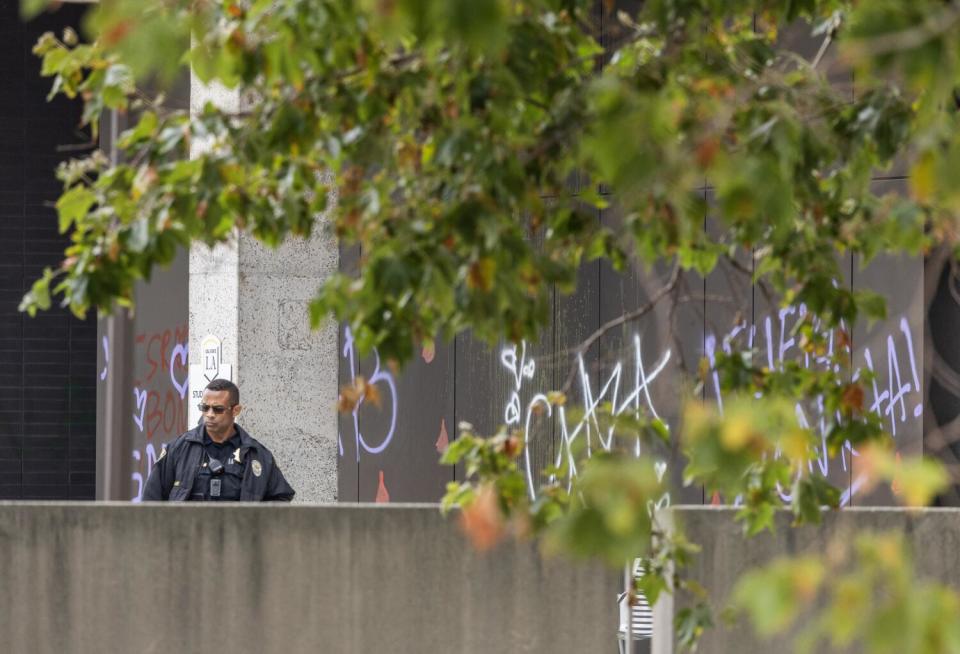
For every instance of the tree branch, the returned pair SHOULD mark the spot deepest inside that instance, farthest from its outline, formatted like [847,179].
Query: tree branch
[934,25]
[620,320]
[823,49]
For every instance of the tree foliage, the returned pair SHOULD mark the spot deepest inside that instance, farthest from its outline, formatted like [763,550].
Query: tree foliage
[463,146]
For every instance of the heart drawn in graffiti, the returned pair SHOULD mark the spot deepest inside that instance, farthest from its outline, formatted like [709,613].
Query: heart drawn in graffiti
[512,415]
[660,467]
[141,406]
[179,352]
[662,503]
[508,357]
[528,368]
[524,368]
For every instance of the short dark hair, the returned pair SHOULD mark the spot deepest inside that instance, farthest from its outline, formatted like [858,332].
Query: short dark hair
[226,385]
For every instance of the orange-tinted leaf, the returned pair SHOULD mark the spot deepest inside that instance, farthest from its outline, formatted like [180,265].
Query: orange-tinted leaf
[852,398]
[482,521]
[481,274]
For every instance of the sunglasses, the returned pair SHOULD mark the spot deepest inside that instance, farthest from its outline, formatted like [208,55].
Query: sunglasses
[216,408]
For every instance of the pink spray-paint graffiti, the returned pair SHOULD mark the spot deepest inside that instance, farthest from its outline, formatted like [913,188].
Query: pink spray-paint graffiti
[160,391]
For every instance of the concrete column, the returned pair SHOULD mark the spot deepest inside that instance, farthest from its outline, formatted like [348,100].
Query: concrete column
[256,301]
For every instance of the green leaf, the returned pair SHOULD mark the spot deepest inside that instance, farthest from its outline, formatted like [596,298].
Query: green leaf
[39,295]
[812,494]
[691,622]
[73,205]
[872,304]
[773,596]
[29,9]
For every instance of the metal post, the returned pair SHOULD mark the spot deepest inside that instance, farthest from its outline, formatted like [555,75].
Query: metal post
[628,588]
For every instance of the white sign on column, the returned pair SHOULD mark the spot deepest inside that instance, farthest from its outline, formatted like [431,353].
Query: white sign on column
[211,367]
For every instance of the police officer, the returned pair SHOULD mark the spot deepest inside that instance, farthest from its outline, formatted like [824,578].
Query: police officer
[217,461]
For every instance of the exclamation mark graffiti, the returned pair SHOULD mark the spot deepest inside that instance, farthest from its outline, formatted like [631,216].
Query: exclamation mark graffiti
[382,495]
[444,439]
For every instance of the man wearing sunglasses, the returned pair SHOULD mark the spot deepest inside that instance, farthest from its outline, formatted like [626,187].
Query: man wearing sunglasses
[217,461]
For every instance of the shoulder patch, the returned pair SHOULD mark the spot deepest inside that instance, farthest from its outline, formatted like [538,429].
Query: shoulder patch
[257,468]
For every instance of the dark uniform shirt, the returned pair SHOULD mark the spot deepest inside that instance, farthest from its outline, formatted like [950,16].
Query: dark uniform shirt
[180,474]
[224,486]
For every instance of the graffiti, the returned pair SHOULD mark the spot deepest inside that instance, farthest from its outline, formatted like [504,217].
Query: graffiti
[378,377]
[106,358]
[383,495]
[891,402]
[896,392]
[148,457]
[160,360]
[160,364]
[443,440]
[644,377]
[179,352]
[141,399]
[634,397]
[886,402]
[772,337]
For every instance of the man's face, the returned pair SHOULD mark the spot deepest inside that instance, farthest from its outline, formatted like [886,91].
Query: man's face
[219,424]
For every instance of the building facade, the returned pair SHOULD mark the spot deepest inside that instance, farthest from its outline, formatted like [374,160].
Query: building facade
[47,363]
[86,406]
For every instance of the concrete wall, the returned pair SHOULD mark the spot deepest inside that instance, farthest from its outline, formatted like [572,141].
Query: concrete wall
[295,578]
[932,534]
[288,372]
[256,301]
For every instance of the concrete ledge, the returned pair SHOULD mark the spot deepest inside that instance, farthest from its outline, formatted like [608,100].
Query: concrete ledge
[932,534]
[293,578]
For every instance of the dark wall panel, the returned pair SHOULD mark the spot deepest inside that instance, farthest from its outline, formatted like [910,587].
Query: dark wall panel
[892,349]
[48,384]
[640,361]
[407,468]
[576,318]
[483,381]
[728,312]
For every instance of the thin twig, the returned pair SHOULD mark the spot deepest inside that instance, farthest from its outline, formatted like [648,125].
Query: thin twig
[620,320]
[933,25]
[674,333]
[823,49]
[77,147]
[827,40]
[709,297]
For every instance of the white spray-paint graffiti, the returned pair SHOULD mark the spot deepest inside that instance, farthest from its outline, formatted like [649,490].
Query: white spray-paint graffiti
[772,336]
[587,426]
[148,456]
[105,343]
[629,389]
[378,377]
